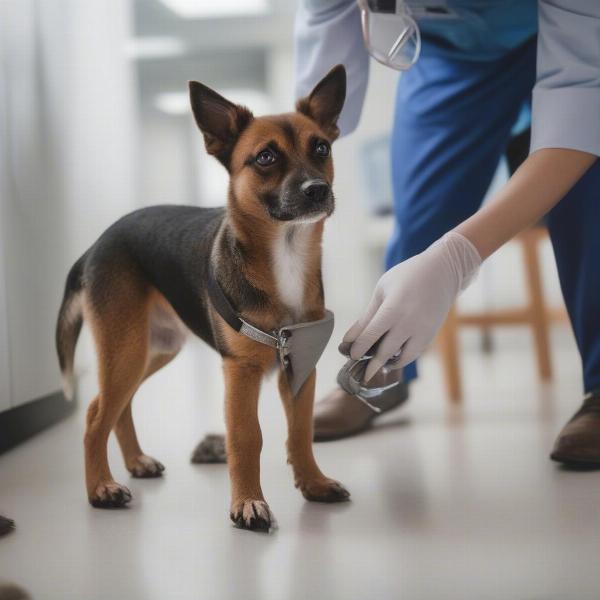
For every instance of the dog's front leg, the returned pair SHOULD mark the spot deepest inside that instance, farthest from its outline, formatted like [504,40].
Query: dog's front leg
[307,475]
[244,443]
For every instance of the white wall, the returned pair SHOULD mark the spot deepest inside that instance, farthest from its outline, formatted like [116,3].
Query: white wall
[70,117]
[166,156]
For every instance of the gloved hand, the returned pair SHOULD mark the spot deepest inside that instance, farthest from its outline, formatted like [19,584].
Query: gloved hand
[411,301]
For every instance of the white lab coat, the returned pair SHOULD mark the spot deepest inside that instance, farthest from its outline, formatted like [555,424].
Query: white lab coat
[566,96]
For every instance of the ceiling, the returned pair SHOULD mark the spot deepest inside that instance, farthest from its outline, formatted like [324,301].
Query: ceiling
[153,18]
[221,52]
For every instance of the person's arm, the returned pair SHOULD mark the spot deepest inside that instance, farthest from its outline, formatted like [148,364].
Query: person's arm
[565,129]
[412,300]
[327,33]
[536,187]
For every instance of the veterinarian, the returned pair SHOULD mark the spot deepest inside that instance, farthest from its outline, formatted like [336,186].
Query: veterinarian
[470,68]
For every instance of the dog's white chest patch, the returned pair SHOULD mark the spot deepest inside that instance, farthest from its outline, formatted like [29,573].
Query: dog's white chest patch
[290,262]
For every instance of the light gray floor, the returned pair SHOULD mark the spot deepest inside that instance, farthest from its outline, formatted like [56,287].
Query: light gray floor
[445,504]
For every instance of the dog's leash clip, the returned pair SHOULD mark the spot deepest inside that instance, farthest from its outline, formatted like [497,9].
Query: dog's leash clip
[351,383]
[351,376]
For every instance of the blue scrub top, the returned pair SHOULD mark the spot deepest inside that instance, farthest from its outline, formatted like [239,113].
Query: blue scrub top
[477,29]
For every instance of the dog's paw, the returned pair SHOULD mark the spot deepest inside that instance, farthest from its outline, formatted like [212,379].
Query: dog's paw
[6,525]
[254,515]
[210,450]
[10,591]
[110,495]
[324,490]
[146,467]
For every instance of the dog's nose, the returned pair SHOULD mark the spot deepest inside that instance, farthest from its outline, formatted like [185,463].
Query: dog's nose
[315,189]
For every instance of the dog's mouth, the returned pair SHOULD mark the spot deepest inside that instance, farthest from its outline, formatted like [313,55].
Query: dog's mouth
[288,214]
[299,209]
[312,217]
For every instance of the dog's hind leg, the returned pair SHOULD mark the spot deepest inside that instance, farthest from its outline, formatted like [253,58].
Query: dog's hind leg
[138,463]
[119,323]
[307,475]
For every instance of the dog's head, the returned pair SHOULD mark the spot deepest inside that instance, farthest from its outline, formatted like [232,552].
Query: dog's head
[280,166]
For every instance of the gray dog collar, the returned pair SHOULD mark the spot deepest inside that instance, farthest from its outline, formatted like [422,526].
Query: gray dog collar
[299,346]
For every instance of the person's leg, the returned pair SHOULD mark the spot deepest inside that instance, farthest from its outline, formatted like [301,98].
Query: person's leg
[574,225]
[452,123]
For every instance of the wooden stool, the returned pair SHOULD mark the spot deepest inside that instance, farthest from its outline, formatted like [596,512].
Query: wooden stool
[534,314]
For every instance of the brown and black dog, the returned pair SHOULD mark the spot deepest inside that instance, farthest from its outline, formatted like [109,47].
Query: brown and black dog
[143,285]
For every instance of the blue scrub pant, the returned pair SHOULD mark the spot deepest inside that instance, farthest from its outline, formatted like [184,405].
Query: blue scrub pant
[453,120]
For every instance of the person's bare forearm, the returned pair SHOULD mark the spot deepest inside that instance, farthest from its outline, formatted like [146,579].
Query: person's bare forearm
[535,188]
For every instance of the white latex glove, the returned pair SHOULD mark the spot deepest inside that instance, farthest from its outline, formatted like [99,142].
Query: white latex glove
[411,301]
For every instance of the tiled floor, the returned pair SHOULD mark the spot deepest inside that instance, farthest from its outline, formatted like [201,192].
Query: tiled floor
[445,504]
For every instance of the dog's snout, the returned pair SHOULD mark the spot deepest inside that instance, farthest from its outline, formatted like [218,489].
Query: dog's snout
[315,189]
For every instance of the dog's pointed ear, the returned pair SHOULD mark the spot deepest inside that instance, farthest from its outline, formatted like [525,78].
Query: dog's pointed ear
[220,121]
[324,104]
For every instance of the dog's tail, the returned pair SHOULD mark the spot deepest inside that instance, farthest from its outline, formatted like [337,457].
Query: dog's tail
[68,325]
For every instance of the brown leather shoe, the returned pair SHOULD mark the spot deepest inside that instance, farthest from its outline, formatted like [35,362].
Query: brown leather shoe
[579,441]
[341,415]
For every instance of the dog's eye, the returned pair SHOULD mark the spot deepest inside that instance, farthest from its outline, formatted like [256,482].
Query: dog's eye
[265,158]
[322,149]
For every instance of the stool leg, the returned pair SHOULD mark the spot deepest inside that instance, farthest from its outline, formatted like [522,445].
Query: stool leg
[537,307]
[448,347]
